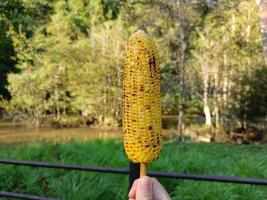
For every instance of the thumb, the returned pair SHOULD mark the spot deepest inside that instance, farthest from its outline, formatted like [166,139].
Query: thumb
[144,189]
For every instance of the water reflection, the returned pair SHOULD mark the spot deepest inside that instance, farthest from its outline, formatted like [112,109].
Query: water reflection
[11,134]
[14,134]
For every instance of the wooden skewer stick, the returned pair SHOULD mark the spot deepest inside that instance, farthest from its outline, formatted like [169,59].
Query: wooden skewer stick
[143,169]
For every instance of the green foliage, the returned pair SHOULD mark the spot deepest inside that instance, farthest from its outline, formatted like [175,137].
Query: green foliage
[228,46]
[64,58]
[252,102]
[64,71]
[6,61]
[244,161]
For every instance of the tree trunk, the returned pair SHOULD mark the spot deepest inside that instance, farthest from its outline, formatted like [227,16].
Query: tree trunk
[217,98]
[248,29]
[181,99]
[263,26]
[205,100]
[225,81]
[233,25]
[57,102]
[225,91]
[181,54]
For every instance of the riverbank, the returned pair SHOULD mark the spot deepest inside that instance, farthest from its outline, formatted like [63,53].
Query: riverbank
[21,134]
[212,159]
[77,121]
[66,130]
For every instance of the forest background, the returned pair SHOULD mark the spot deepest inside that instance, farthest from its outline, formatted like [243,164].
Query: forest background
[61,61]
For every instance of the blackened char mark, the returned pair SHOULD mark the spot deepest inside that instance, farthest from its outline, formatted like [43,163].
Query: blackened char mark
[152,64]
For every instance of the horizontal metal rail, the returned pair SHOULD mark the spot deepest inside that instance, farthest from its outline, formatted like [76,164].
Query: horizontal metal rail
[66,166]
[23,196]
[196,177]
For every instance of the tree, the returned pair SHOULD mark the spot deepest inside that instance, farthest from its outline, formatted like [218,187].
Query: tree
[223,49]
[263,25]
[67,65]
[68,55]
[17,22]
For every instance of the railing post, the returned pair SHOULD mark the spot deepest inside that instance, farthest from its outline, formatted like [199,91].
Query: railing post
[134,172]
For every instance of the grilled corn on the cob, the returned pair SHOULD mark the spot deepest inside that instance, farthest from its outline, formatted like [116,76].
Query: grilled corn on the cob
[142,130]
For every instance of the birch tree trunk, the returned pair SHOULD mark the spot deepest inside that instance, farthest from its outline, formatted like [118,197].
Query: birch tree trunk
[206,98]
[263,26]
[225,90]
[225,81]
[217,98]
[181,54]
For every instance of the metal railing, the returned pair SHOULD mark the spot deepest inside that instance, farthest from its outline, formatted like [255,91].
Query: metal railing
[133,173]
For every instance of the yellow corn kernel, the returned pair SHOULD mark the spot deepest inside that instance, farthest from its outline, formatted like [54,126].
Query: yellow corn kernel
[142,130]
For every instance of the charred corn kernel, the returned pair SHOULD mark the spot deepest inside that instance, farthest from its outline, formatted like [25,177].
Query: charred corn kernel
[142,130]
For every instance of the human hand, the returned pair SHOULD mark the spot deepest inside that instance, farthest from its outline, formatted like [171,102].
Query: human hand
[146,188]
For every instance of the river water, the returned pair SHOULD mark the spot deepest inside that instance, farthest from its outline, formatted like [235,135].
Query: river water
[17,134]
[13,134]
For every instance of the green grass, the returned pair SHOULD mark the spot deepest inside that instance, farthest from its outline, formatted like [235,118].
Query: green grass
[213,159]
